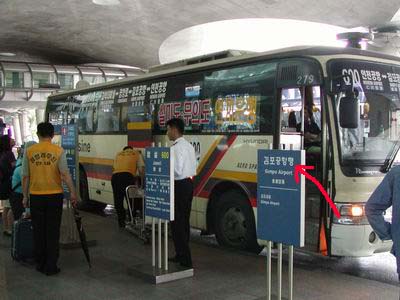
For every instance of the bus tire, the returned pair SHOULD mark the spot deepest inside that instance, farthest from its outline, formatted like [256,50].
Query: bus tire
[234,222]
[84,202]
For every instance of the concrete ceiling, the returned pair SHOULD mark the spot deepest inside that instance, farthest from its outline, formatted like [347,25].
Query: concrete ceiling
[78,31]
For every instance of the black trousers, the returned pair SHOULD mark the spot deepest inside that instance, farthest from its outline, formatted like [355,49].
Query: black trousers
[16,205]
[181,225]
[46,212]
[119,182]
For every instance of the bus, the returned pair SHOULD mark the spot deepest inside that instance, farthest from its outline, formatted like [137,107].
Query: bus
[235,104]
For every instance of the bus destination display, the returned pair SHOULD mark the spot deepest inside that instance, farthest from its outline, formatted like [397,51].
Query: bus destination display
[373,77]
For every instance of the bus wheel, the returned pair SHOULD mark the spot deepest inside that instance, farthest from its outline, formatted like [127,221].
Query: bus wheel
[84,202]
[234,222]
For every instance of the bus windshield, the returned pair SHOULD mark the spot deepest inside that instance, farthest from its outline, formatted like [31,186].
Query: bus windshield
[378,126]
[377,131]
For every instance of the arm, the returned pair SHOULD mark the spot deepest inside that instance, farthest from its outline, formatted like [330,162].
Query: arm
[66,177]
[140,165]
[25,190]
[13,161]
[25,180]
[114,163]
[380,200]
[178,163]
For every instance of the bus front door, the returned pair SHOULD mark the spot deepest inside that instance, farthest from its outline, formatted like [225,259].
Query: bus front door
[298,104]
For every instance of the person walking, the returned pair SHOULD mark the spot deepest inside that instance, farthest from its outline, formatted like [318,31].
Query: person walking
[184,169]
[44,167]
[127,164]
[386,195]
[7,164]
[16,196]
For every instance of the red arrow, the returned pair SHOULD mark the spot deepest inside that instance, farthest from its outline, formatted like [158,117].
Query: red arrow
[303,170]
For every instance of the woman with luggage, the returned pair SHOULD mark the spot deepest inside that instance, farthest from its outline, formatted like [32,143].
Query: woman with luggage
[7,164]
[16,196]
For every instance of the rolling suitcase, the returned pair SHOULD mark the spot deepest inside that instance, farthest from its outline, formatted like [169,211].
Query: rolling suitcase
[22,240]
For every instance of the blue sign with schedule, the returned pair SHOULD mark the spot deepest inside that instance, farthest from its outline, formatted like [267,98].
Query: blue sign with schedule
[280,200]
[159,189]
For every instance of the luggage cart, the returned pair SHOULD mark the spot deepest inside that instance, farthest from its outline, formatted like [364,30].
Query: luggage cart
[137,223]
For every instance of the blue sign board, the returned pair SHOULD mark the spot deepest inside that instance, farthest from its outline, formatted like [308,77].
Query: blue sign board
[280,200]
[69,140]
[159,189]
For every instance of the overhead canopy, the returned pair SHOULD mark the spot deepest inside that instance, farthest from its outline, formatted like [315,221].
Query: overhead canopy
[131,32]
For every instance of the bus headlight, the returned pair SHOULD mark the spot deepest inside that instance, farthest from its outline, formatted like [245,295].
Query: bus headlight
[351,214]
[357,211]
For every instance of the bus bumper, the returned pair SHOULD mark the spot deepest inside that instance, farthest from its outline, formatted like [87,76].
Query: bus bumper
[356,240]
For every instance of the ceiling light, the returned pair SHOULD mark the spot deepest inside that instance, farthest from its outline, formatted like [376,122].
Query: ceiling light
[106,2]
[9,54]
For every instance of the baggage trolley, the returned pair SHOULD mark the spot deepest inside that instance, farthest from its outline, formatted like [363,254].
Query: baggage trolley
[137,223]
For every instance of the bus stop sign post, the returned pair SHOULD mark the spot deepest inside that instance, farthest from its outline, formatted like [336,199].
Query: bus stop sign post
[159,205]
[280,207]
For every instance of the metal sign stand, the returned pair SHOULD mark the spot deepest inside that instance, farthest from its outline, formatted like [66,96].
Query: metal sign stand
[160,271]
[263,231]
[279,272]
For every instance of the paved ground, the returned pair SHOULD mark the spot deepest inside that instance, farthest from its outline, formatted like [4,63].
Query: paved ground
[219,274]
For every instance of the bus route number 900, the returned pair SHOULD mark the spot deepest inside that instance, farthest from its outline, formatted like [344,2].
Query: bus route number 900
[196,146]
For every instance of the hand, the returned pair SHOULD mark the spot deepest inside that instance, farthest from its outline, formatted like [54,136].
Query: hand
[309,137]
[25,202]
[74,200]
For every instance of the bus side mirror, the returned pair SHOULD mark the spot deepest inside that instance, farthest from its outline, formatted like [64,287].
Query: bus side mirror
[349,111]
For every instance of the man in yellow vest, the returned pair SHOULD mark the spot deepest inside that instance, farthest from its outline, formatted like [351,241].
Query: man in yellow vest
[127,163]
[44,167]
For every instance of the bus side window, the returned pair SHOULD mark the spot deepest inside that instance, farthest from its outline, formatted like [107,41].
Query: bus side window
[87,119]
[291,105]
[132,113]
[108,118]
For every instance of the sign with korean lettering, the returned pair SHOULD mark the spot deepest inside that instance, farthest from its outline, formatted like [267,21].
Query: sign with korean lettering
[372,77]
[192,112]
[69,142]
[159,189]
[280,201]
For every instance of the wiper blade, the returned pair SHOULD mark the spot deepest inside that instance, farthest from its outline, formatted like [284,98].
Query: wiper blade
[390,158]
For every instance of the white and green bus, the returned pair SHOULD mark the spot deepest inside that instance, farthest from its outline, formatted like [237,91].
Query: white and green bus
[234,105]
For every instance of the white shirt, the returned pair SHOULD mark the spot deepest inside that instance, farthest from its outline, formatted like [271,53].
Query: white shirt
[185,159]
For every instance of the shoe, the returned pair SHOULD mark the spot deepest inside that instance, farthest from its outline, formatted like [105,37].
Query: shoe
[175,259]
[54,272]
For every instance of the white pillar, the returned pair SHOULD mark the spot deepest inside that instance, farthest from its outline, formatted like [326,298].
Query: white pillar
[17,131]
[39,115]
[24,125]
[21,126]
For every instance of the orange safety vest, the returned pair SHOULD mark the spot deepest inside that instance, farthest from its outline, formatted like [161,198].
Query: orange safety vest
[44,174]
[126,161]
